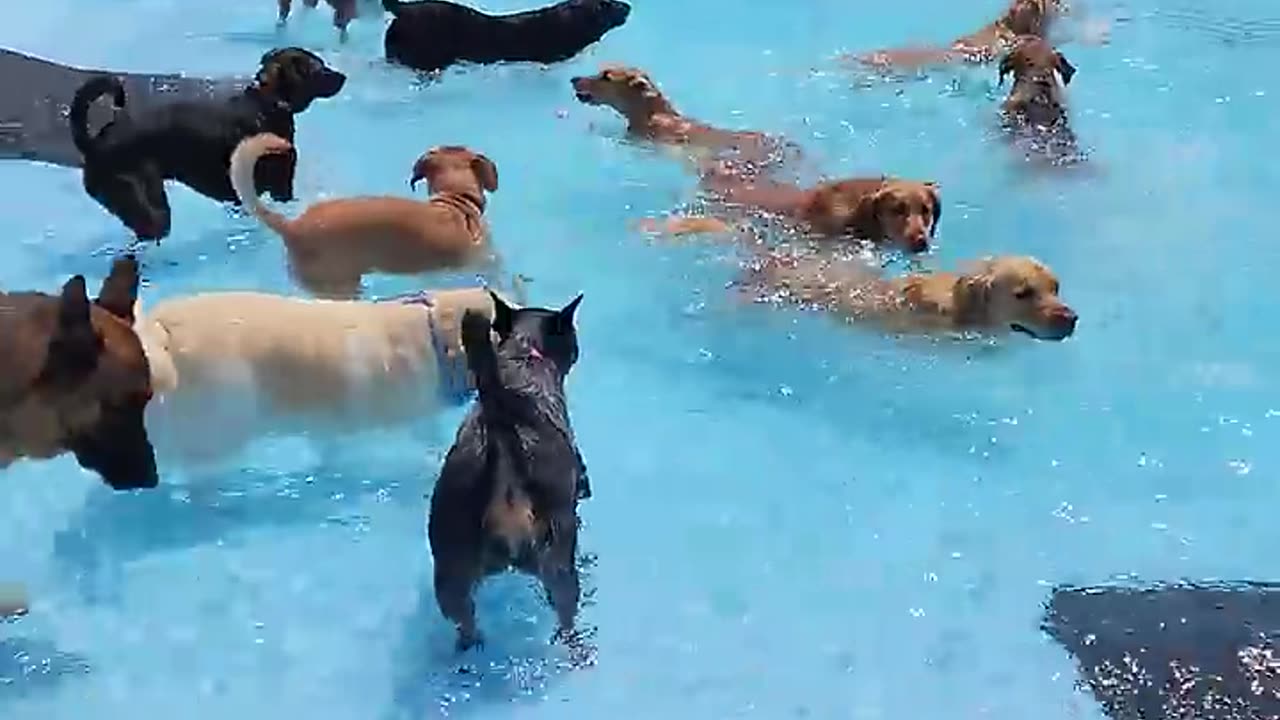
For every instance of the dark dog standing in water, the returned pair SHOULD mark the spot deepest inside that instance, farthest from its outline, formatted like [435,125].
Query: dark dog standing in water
[433,34]
[507,497]
[127,162]
[1035,112]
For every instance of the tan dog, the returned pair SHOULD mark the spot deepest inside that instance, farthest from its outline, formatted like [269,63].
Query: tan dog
[1035,111]
[344,11]
[252,364]
[334,243]
[651,116]
[73,378]
[902,213]
[1023,17]
[995,296]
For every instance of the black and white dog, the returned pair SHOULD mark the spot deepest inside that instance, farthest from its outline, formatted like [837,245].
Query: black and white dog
[507,496]
[434,34]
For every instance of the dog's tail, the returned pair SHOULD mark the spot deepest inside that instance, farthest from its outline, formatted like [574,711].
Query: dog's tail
[243,161]
[90,91]
[510,515]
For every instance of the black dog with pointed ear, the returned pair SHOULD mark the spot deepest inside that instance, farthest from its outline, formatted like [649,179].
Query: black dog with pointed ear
[507,496]
[75,379]
[191,141]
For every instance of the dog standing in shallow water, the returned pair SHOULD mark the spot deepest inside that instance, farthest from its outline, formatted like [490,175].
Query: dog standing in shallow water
[508,493]
[433,34]
[334,243]
[127,162]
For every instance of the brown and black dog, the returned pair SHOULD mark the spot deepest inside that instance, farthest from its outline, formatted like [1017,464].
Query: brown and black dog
[886,211]
[334,243]
[74,378]
[344,11]
[651,116]
[1022,17]
[1035,112]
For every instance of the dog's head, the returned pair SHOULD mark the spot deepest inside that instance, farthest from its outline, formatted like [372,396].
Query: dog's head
[602,15]
[1027,17]
[134,193]
[551,333]
[295,77]
[904,213]
[453,168]
[1018,293]
[628,90]
[1036,67]
[82,381]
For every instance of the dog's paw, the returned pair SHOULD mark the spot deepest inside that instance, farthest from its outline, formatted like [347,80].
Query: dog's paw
[469,640]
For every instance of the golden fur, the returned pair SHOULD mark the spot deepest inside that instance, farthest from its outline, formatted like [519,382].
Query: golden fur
[334,243]
[995,295]
[1022,17]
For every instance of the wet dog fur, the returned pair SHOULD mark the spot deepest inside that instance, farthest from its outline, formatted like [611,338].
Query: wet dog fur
[74,379]
[993,296]
[334,243]
[1035,112]
[432,35]
[508,493]
[191,141]
[1021,17]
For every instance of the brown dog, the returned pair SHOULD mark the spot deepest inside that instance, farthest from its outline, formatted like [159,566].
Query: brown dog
[1035,111]
[334,243]
[997,295]
[1023,17]
[651,116]
[74,378]
[902,213]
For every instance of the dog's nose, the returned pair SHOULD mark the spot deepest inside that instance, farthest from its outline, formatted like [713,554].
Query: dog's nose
[1065,318]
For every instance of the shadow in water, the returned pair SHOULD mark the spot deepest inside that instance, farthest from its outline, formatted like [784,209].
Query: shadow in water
[518,663]
[30,666]
[113,529]
[1205,650]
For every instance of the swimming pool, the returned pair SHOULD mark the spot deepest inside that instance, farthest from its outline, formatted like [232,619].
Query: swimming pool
[791,518]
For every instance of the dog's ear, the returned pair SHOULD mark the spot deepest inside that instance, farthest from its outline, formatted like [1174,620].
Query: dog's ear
[74,346]
[935,196]
[503,316]
[972,295]
[1065,68]
[486,172]
[564,318]
[119,291]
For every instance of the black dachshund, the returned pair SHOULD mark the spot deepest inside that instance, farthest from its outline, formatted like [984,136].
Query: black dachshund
[508,493]
[127,162]
[434,34]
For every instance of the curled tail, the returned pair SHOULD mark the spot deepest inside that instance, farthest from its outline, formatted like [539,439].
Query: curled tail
[90,91]
[243,161]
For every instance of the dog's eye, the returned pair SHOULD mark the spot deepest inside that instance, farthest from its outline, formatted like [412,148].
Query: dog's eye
[1024,292]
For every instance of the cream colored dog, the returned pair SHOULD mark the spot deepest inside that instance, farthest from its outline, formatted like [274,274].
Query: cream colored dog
[231,367]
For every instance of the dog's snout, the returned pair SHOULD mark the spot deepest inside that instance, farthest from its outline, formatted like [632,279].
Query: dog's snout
[1064,320]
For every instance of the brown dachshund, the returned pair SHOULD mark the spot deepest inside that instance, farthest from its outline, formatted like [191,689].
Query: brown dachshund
[651,116]
[884,210]
[997,295]
[334,243]
[74,379]
[1023,17]
[1035,111]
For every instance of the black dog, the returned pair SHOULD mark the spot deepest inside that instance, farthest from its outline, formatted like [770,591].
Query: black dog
[1035,112]
[508,493]
[33,106]
[126,164]
[434,34]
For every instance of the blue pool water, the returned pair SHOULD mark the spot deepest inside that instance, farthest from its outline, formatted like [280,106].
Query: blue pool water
[792,518]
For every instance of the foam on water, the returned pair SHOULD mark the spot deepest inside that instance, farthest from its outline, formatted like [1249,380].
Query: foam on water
[791,518]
